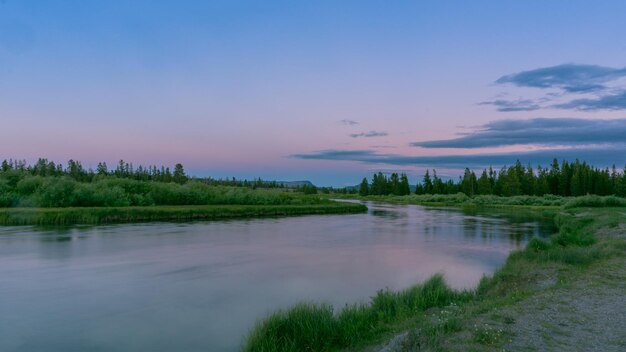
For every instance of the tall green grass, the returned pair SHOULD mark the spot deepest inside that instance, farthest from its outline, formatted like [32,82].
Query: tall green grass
[101,215]
[460,199]
[575,244]
[317,327]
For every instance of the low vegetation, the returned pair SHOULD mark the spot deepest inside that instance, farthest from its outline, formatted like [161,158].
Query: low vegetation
[575,247]
[316,327]
[486,201]
[110,191]
[47,193]
[103,215]
[460,199]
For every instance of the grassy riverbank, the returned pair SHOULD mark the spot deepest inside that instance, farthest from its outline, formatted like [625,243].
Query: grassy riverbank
[554,295]
[491,201]
[101,215]
[44,195]
[431,316]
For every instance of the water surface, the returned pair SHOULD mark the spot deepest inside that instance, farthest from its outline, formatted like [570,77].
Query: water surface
[201,286]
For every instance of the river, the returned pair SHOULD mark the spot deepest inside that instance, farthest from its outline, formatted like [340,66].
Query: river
[201,286]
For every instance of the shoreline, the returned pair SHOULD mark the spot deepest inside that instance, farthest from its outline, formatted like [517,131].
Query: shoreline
[554,295]
[464,320]
[111,215]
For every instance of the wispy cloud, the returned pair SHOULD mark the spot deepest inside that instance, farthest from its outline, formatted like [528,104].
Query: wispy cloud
[513,105]
[333,154]
[348,122]
[382,146]
[601,157]
[538,131]
[607,102]
[605,84]
[369,134]
[573,78]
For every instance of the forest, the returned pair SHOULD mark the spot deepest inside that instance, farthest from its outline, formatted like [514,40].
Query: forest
[46,184]
[562,179]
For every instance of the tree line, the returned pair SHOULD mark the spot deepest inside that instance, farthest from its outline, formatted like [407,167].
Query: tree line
[75,170]
[563,179]
[381,185]
[46,184]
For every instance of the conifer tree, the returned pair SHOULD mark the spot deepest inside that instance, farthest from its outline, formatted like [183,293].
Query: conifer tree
[179,174]
[394,183]
[428,183]
[483,184]
[405,188]
[364,188]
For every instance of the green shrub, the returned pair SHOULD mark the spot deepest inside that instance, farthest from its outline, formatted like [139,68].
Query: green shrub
[57,192]
[537,245]
[595,201]
[29,185]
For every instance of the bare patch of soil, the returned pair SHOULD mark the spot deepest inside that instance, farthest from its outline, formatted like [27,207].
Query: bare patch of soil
[585,313]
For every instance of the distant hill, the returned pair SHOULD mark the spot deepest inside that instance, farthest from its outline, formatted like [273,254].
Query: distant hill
[295,184]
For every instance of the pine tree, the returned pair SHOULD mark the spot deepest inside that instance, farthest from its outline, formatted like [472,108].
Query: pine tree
[405,188]
[564,179]
[364,189]
[484,184]
[529,181]
[428,183]
[179,174]
[468,183]
[553,177]
[542,187]
[379,184]
[6,166]
[394,183]
[102,169]
[438,186]
[576,184]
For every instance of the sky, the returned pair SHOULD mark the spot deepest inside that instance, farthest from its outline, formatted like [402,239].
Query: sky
[326,91]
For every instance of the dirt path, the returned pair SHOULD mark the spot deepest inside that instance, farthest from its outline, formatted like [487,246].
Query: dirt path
[585,313]
[588,314]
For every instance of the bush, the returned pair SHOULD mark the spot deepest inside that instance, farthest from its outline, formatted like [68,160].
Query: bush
[7,197]
[57,192]
[98,195]
[595,201]
[537,245]
[29,185]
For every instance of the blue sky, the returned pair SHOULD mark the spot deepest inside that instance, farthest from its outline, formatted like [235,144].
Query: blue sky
[329,91]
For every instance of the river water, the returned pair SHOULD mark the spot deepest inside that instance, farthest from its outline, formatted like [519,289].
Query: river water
[201,286]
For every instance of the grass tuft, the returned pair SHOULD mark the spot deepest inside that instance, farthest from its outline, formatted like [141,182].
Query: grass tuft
[314,327]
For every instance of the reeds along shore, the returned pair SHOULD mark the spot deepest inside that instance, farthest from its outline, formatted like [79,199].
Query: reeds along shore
[103,215]
[460,199]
